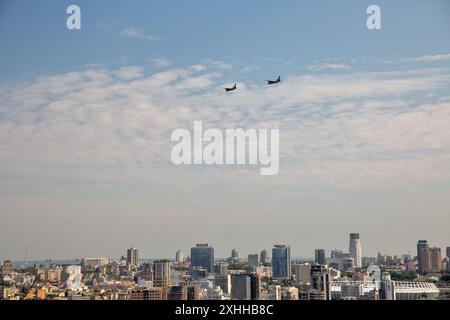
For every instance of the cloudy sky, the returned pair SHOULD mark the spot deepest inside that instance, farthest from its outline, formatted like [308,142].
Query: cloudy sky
[86,118]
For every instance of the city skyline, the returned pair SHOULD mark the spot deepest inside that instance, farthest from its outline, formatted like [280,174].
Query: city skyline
[206,259]
[86,118]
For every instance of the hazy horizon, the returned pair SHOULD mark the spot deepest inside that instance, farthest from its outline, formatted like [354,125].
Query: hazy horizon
[86,117]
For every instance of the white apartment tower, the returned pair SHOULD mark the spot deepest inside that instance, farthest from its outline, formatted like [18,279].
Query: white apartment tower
[355,249]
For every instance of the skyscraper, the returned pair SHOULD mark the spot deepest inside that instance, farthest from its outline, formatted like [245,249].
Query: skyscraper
[281,261]
[132,258]
[202,256]
[234,254]
[7,267]
[253,260]
[240,287]
[423,256]
[435,259]
[448,252]
[179,256]
[263,256]
[303,273]
[161,276]
[320,256]
[320,283]
[355,249]
[255,286]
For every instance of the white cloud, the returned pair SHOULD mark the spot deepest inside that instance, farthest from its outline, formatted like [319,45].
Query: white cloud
[428,58]
[328,66]
[129,73]
[161,62]
[352,129]
[132,32]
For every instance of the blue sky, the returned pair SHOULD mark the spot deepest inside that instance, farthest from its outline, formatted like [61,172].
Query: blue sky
[86,118]
[35,39]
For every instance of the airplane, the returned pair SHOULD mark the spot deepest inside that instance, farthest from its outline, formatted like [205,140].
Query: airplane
[269,82]
[232,88]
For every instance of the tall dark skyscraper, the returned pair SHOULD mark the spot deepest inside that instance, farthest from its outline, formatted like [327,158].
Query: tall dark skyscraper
[202,255]
[255,286]
[448,252]
[281,262]
[320,256]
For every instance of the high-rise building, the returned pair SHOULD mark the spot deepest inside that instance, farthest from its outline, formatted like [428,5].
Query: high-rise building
[179,256]
[161,276]
[423,256]
[448,252]
[253,260]
[234,254]
[320,256]
[255,286]
[240,287]
[281,261]
[435,259]
[202,255]
[355,249]
[263,257]
[132,258]
[320,283]
[302,273]
[7,267]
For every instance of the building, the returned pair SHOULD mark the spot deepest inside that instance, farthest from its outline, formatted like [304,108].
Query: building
[320,283]
[179,256]
[320,256]
[202,255]
[240,287]
[355,249]
[290,293]
[153,294]
[222,268]
[224,282]
[234,254]
[161,276]
[215,293]
[448,252]
[194,293]
[7,267]
[302,273]
[387,289]
[132,258]
[95,262]
[253,260]
[435,259]
[178,293]
[264,258]
[281,262]
[423,256]
[275,292]
[348,264]
[255,286]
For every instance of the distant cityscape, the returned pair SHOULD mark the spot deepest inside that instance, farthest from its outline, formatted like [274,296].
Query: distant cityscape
[200,276]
